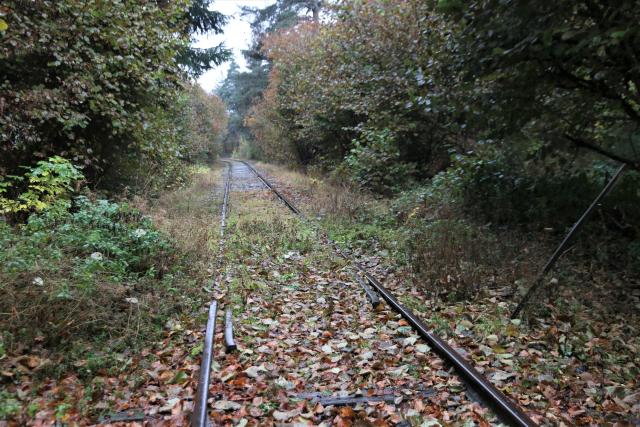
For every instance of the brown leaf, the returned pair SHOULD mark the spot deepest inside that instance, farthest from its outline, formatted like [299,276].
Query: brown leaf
[346,412]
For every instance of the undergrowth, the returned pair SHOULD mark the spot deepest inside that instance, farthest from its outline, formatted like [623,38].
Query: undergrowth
[87,288]
[99,272]
[576,345]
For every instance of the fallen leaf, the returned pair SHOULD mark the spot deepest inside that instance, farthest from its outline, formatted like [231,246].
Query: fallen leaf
[226,405]
[284,416]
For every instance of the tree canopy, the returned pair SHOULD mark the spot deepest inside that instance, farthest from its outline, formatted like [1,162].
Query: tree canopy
[98,82]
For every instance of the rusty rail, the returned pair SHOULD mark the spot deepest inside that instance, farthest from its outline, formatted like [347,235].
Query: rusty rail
[371,295]
[505,408]
[200,417]
[561,247]
[225,203]
[275,191]
[494,397]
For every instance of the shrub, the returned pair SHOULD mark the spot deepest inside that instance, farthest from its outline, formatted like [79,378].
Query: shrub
[45,186]
[503,188]
[247,150]
[452,255]
[375,161]
[374,66]
[98,270]
[79,77]
[450,222]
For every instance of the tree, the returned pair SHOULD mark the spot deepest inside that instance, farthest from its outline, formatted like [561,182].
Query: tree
[238,91]
[374,68]
[243,88]
[564,71]
[97,83]
[79,78]
[206,124]
[200,19]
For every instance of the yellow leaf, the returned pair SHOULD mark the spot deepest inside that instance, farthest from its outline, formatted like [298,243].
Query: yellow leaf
[512,331]
[3,25]
[498,349]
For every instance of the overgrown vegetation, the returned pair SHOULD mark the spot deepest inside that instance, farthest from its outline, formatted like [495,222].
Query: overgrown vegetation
[97,270]
[457,142]
[90,283]
[491,117]
[98,112]
[102,84]
[566,359]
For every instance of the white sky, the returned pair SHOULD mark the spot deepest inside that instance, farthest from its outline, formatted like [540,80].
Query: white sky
[237,36]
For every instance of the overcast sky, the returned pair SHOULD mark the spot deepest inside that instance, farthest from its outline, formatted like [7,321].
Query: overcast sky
[237,36]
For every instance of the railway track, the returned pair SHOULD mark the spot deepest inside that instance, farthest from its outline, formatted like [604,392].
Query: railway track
[506,410]
[200,417]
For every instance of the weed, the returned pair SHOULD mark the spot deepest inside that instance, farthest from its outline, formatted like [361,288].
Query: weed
[85,288]
[9,405]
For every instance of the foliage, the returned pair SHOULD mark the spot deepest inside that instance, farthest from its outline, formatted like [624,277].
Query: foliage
[200,19]
[207,125]
[238,91]
[78,85]
[98,83]
[375,161]
[9,405]
[95,298]
[281,14]
[46,186]
[492,185]
[242,88]
[563,73]
[247,150]
[101,254]
[501,92]
[268,128]
[373,67]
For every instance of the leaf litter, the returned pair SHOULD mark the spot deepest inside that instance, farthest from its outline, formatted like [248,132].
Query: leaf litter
[310,329]
[576,363]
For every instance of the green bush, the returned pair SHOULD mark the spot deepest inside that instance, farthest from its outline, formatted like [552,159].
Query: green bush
[247,150]
[375,162]
[78,77]
[503,189]
[490,193]
[45,186]
[93,271]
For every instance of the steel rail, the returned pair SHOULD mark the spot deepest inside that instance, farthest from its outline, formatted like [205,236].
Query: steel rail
[501,403]
[494,397]
[372,296]
[200,416]
[272,188]
[561,247]
[225,203]
[229,342]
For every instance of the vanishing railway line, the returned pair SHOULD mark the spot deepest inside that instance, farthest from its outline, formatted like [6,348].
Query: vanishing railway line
[506,409]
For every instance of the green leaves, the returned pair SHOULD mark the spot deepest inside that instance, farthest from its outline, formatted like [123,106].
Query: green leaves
[376,163]
[376,67]
[86,83]
[48,185]
[564,68]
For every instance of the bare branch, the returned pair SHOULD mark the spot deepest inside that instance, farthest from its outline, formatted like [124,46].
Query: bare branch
[595,148]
